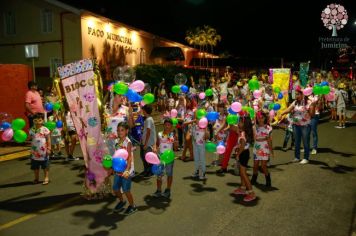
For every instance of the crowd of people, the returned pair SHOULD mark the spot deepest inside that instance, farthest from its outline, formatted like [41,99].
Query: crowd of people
[130,126]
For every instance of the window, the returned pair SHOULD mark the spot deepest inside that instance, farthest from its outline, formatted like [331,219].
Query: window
[54,63]
[46,21]
[142,56]
[9,23]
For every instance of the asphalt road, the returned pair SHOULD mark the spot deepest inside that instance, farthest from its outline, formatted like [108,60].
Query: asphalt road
[313,199]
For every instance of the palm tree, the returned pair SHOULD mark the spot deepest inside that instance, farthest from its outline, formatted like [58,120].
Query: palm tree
[190,38]
[212,40]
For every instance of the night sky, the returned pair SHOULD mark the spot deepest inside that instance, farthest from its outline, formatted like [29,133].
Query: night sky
[256,29]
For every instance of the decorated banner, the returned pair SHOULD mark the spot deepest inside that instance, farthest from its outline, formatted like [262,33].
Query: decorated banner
[303,73]
[79,85]
[280,79]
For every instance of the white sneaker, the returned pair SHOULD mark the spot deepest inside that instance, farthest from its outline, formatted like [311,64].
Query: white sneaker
[313,152]
[338,127]
[304,161]
[296,160]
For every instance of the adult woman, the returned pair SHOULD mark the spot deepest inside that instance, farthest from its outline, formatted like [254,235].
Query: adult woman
[162,96]
[33,102]
[302,110]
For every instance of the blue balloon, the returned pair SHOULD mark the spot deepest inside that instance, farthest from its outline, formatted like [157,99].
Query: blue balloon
[221,143]
[276,106]
[280,96]
[231,111]
[157,169]
[119,164]
[133,96]
[59,124]
[184,88]
[5,125]
[324,83]
[49,106]
[212,116]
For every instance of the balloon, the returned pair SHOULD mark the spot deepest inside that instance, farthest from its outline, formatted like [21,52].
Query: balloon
[121,153]
[212,116]
[209,92]
[152,158]
[20,136]
[203,123]
[107,161]
[57,106]
[137,86]
[18,124]
[276,106]
[59,124]
[307,91]
[174,113]
[133,96]
[175,89]
[210,147]
[245,108]
[280,95]
[253,84]
[231,111]
[51,125]
[270,106]
[257,93]
[48,106]
[167,157]
[236,106]
[324,83]
[5,125]
[121,88]
[277,89]
[202,95]
[200,113]
[7,135]
[221,143]
[325,89]
[232,119]
[220,149]
[317,90]
[254,77]
[157,169]
[184,88]
[148,98]
[119,164]
[272,114]
[180,78]
[174,121]
[255,107]
[252,113]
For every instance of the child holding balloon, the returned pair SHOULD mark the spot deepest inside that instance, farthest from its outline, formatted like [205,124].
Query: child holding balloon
[199,134]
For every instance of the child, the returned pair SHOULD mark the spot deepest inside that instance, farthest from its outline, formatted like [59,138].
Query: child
[199,137]
[262,149]
[148,140]
[123,179]
[171,102]
[41,148]
[71,142]
[245,135]
[165,141]
[219,128]
[289,133]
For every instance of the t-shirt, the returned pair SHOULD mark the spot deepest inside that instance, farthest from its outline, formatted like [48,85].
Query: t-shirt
[340,96]
[301,115]
[115,119]
[35,101]
[223,88]
[70,124]
[198,135]
[39,143]
[149,124]
[166,141]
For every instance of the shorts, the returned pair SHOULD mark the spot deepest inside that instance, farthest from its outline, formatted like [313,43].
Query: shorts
[72,132]
[35,165]
[244,157]
[121,182]
[341,111]
[55,140]
[168,170]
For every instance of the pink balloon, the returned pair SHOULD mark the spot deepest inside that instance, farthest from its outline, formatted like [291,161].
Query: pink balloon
[7,135]
[137,85]
[236,107]
[271,114]
[220,149]
[174,113]
[202,95]
[152,158]
[121,153]
[203,123]
[307,91]
[257,93]
[255,107]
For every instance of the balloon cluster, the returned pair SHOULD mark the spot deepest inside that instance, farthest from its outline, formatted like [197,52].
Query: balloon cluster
[118,162]
[52,106]
[132,90]
[14,130]
[167,157]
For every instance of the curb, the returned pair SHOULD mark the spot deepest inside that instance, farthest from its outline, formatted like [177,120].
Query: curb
[15,155]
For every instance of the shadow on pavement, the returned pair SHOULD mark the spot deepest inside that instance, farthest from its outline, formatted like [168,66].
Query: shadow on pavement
[265,189]
[200,189]
[339,169]
[16,184]
[99,233]
[329,150]
[155,206]
[238,199]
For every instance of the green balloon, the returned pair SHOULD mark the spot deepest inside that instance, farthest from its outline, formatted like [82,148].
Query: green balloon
[317,90]
[270,106]
[51,125]
[148,98]
[18,124]
[232,119]
[20,136]
[176,89]
[174,121]
[209,92]
[107,161]
[200,113]
[57,106]
[210,147]
[252,113]
[254,77]
[325,89]
[277,90]
[167,157]
[253,84]
[245,108]
[121,88]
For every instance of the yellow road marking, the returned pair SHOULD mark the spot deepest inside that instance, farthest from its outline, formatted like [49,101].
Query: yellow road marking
[32,215]
[15,155]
